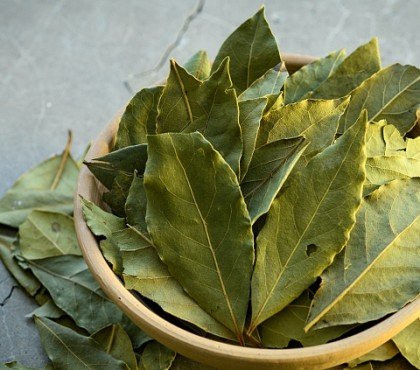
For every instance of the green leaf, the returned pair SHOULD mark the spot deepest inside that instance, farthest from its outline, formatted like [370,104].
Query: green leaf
[157,357]
[117,196]
[135,206]
[310,76]
[25,278]
[199,65]
[183,363]
[69,350]
[211,107]
[47,234]
[147,274]
[288,324]
[123,161]
[394,142]
[206,215]
[269,169]
[357,67]
[375,142]
[252,49]
[49,309]
[328,191]
[17,366]
[315,120]
[15,206]
[268,85]
[139,118]
[250,114]
[383,353]
[376,273]
[413,148]
[115,341]
[408,342]
[392,94]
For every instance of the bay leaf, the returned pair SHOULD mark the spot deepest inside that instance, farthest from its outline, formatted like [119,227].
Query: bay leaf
[408,342]
[250,114]
[69,350]
[139,118]
[357,67]
[267,86]
[375,142]
[47,234]
[328,191]
[310,76]
[413,148]
[211,107]
[16,205]
[49,309]
[315,120]
[183,363]
[288,324]
[199,65]
[213,256]
[25,278]
[147,274]
[394,141]
[376,273]
[253,50]
[117,196]
[115,341]
[135,206]
[18,366]
[392,94]
[383,353]
[270,166]
[122,161]
[157,357]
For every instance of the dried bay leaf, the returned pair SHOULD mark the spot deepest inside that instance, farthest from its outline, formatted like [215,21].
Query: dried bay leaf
[408,342]
[115,341]
[157,357]
[199,65]
[49,310]
[383,353]
[47,234]
[392,94]
[376,273]
[146,273]
[117,196]
[183,363]
[270,166]
[328,191]
[253,50]
[139,118]
[135,206]
[211,107]
[68,349]
[288,324]
[413,148]
[17,366]
[357,67]
[207,215]
[310,76]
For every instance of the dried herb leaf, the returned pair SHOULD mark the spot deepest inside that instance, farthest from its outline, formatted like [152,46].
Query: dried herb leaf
[383,353]
[253,50]
[328,192]
[199,65]
[376,273]
[135,206]
[157,357]
[207,215]
[408,342]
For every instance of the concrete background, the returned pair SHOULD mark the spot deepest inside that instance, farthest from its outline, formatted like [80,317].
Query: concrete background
[64,64]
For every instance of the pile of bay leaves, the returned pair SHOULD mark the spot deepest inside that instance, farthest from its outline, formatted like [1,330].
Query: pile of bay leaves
[244,204]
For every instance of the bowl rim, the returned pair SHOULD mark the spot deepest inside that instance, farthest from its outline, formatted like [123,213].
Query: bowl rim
[198,348]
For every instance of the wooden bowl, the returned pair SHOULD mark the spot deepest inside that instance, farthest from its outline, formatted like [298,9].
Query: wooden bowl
[203,350]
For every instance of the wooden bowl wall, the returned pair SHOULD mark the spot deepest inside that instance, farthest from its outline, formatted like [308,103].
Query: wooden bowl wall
[207,351]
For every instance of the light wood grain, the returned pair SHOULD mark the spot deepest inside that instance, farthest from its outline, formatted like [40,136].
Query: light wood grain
[210,352]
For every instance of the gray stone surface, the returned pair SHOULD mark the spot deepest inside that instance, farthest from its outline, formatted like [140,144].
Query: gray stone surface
[64,64]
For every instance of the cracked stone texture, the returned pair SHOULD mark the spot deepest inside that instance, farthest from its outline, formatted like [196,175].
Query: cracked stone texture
[64,64]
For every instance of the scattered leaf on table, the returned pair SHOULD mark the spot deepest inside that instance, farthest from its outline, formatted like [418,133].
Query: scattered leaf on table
[139,118]
[69,350]
[147,274]
[250,114]
[392,94]
[49,309]
[211,107]
[408,342]
[270,167]
[115,341]
[157,357]
[47,234]
[206,214]
[383,353]
[328,191]
[310,76]
[377,273]
[199,65]
[17,366]
[357,67]
[288,324]
[253,50]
